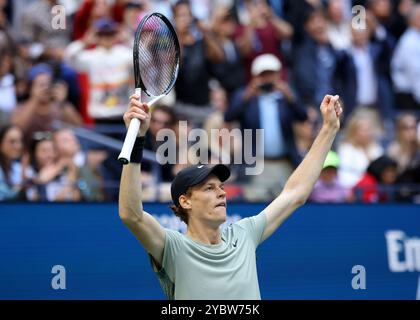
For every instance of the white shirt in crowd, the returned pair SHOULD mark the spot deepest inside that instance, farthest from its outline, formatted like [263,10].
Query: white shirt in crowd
[110,77]
[354,162]
[365,76]
[406,64]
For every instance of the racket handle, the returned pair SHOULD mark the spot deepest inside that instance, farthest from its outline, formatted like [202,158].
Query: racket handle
[130,137]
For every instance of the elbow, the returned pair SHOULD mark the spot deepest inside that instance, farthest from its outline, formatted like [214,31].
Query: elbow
[300,201]
[129,216]
[297,197]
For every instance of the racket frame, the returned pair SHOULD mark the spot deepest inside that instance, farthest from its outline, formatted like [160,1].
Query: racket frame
[134,127]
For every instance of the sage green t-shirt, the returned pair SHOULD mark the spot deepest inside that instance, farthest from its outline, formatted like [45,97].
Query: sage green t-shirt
[191,270]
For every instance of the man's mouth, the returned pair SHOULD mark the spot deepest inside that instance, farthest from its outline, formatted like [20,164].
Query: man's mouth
[221,204]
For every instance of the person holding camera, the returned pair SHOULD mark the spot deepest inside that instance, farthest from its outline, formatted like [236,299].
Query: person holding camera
[268,103]
[46,103]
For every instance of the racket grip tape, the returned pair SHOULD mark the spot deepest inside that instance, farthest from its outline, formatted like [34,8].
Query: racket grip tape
[129,141]
[130,137]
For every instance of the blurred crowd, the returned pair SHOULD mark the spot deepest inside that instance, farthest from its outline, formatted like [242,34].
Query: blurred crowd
[245,65]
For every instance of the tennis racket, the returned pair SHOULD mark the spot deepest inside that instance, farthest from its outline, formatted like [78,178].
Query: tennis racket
[156,56]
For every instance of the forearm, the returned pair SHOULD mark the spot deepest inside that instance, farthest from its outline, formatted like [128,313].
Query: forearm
[130,200]
[283,28]
[213,51]
[306,174]
[72,55]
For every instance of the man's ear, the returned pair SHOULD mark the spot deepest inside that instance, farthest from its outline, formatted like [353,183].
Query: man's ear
[184,202]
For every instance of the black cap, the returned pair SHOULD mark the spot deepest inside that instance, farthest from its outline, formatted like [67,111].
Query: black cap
[194,175]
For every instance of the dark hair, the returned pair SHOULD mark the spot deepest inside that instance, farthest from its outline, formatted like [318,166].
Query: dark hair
[168,110]
[311,12]
[37,138]
[4,164]
[378,166]
[180,3]
[179,211]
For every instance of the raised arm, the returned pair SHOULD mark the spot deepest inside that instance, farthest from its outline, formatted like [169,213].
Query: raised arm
[300,184]
[144,227]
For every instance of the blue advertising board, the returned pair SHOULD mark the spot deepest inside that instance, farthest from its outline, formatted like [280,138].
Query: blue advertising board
[320,252]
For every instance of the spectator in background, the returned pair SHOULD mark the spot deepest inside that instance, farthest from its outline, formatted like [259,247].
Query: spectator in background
[295,12]
[305,132]
[376,184]
[406,146]
[46,104]
[401,11]
[339,27]
[88,14]
[85,167]
[6,33]
[40,161]
[231,72]
[199,49]
[221,151]
[37,26]
[406,64]
[268,103]
[328,187]
[162,117]
[133,11]
[358,148]
[264,33]
[50,179]
[109,67]
[387,13]
[315,61]
[11,176]
[7,87]
[367,80]
[22,64]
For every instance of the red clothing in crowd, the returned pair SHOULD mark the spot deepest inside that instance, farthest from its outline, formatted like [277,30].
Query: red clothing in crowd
[367,190]
[82,18]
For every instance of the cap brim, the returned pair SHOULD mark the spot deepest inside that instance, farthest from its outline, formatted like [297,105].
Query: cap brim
[219,170]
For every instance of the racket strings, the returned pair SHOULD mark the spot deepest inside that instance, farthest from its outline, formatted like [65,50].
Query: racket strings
[158,57]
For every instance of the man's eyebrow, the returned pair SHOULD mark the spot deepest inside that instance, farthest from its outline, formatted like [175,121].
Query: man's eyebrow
[212,184]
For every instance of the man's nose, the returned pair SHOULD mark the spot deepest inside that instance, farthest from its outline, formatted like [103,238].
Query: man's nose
[222,193]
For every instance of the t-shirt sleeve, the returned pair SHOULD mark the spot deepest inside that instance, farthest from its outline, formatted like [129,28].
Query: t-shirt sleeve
[254,226]
[173,244]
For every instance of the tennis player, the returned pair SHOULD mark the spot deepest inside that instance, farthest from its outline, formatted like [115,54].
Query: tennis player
[207,263]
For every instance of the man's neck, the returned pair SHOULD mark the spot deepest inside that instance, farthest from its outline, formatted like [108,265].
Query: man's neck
[204,234]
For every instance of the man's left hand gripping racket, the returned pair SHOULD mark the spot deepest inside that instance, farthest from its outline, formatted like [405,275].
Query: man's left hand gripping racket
[156,55]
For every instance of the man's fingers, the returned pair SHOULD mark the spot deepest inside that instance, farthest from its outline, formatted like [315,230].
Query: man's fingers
[333,101]
[139,104]
[139,111]
[326,99]
[140,116]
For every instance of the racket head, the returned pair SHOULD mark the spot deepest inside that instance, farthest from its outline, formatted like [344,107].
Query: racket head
[156,55]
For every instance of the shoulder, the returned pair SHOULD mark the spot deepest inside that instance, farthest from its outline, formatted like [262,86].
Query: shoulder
[174,238]
[251,227]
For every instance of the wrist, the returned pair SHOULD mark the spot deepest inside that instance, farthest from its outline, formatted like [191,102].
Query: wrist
[137,152]
[329,128]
